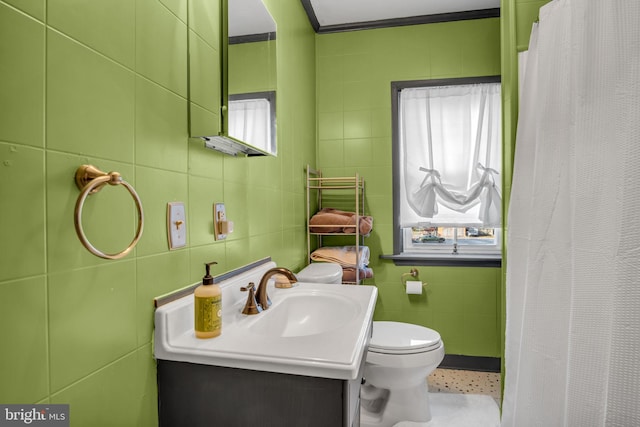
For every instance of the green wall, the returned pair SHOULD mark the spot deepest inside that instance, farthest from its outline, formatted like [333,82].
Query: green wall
[354,72]
[85,83]
[106,83]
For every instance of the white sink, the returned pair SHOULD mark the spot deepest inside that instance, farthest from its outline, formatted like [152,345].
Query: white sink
[311,329]
[303,312]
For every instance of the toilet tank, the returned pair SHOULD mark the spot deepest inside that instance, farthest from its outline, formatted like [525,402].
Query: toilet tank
[321,272]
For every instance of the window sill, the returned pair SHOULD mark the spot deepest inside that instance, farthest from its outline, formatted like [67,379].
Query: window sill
[460,260]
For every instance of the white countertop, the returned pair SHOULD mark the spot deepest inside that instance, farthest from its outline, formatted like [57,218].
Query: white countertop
[335,353]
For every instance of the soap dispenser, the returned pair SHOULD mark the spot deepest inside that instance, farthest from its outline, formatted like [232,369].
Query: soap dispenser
[208,307]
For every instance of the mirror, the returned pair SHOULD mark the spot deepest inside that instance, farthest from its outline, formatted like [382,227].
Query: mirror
[232,90]
[252,74]
[248,122]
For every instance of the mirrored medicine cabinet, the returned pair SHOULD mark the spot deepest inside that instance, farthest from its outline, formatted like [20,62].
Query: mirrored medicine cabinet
[238,116]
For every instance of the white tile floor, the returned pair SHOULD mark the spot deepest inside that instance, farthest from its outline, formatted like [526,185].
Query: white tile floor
[462,399]
[460,410]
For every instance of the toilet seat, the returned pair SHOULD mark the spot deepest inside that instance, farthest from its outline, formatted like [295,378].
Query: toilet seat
[403,338]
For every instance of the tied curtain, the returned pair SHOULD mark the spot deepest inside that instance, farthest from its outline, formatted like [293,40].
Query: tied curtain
[450,139]
[250,121]
[572,352]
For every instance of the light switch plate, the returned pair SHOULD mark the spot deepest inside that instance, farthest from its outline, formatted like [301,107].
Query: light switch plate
[219,217]
[176,225]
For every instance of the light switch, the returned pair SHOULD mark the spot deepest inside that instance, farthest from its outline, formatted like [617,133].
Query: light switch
[176,225]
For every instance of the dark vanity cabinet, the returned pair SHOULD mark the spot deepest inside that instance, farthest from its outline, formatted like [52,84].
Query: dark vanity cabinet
[196,395]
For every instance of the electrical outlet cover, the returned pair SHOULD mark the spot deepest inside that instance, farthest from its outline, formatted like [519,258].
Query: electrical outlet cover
[219,216]
[176,225]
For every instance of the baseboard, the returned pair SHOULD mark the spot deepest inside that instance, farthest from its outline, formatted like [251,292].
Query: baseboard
[470,363]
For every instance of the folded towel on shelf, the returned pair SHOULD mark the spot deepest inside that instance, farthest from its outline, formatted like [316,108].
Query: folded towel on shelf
[349,274]
[343,255]
[329,220]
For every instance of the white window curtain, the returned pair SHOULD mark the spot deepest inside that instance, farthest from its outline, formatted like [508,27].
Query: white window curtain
[450,145]
[250,121]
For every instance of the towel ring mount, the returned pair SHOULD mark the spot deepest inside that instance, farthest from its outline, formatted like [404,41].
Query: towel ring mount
[90,180]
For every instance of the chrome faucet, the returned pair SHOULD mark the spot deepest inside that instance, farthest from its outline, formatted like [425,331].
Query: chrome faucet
[263,298]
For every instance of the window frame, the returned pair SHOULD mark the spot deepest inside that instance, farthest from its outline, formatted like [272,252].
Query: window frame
[438,257]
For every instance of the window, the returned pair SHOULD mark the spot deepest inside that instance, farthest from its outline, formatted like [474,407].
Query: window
[447,165]
[252,119]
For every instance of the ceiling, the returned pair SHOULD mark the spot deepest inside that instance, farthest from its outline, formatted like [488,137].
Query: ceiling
[346,15]
[249,17]
[326,16]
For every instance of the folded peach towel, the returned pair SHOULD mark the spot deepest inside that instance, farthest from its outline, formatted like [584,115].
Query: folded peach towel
[329,220]
[349,274]
[343,255]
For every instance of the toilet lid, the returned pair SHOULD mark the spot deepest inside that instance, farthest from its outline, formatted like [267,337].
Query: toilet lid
[402,338]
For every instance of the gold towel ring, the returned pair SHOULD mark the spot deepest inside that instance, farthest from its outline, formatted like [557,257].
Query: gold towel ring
[90,180]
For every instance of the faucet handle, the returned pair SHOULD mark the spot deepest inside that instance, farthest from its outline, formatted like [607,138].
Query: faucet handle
[250,287]
[251,306]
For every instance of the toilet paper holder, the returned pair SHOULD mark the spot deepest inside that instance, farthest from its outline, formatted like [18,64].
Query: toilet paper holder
[413,273]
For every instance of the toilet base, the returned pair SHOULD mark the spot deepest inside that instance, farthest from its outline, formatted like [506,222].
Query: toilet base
[406,404]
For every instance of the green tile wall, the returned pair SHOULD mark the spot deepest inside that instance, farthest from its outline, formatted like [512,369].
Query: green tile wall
[354,71]
[204,67]
[88,84]
[80,83]
[22,82]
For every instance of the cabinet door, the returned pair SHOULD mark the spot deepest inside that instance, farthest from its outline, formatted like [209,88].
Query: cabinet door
[200,395]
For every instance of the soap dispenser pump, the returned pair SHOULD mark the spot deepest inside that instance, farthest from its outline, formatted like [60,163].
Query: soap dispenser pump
[208,306]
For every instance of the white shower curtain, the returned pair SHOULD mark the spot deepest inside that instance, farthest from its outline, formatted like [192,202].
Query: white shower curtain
[572,353]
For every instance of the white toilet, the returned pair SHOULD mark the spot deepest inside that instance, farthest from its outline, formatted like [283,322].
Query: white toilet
[400,358]
[321,272]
